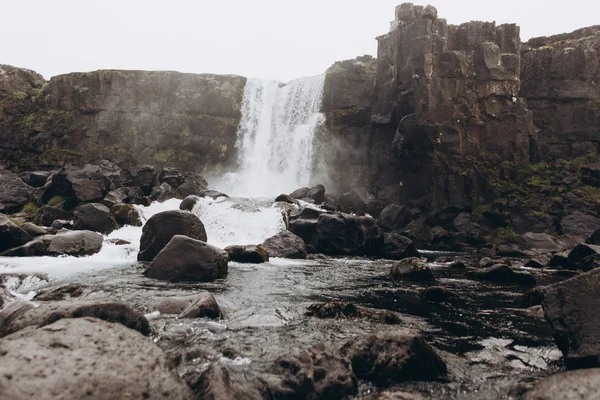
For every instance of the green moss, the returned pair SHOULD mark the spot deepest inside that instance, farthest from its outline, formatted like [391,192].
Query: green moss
[185,156]
[163,156]
[19,96]
[30,209]
[505,235]
[56,200]
[588,194]
[186,132]
[223,151]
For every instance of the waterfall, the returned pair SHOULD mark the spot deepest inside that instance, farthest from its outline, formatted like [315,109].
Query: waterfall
[275,137]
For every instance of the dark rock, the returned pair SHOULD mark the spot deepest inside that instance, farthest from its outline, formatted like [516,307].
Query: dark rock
[413,269]
[76,184]
[94,217]
[19,315]
[97,359]
[215,384]
[358,200]
[486,262]
[538,262]
[458,265]
[540,241]
[59,224]
[118,242]
[247,254]
[11,235]
[195,306]
[419,231]
[162,193]
[126,214]
[187,259]
[70,243]
[213,194]
[299,193]
[594,238]
[582,251]
[528,221]
[35,179]
[503,274]
[590,174]
[306,213]
[393,217]
[344,234]
[142,176]
[533,297]
[65,292]
[561,260]
[312,374]
[49,214]
[496,219]
[15,193]
[579,224]
[512,250]
[571,309]
[161,227]
[136,195]
[32,229]
[193,186]
[338,309]
[391,357]
[590,262]
[465,230]
[440,236]
[189,203]
[438,294]
[570,385]
[174,177]
[446,215]
[398,247]
[306,229]
[285,245]
[316,193]
[286,198]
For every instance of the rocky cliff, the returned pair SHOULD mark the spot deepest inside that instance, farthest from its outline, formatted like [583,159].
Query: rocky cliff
[129,117]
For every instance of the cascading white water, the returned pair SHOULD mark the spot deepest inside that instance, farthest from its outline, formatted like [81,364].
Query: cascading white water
[275,137]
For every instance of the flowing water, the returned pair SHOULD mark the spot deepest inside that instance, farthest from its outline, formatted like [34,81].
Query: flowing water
[275,137]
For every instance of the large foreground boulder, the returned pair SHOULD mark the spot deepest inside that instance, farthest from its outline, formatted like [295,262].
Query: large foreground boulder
[11,235]
[160,228]
[391,357]
[21,314]
[571,309]
[249,254]
[571,385]
[71,243]
[14,193]
[94,217]
[285,245]
[187,259]
[345,234]
[198,305]
[86,358]
[76,185]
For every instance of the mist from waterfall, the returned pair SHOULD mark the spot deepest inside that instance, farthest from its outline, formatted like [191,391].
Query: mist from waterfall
[275,137]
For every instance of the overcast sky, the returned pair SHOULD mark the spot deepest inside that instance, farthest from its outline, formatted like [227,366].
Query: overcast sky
[277,39]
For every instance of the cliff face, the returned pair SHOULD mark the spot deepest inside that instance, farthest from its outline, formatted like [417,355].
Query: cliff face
[131,117]
[561,82]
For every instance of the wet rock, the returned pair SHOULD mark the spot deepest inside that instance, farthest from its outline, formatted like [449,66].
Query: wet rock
[49,214]
[97,360]
[15,193]
[538,262]
[306,229]
[458,265]
[22,314]
[571,309]
[440,236]
[594,238]
[561,260]
[193,186]
[306,213]
[70,243]
[571,385]
[94,217]
[579,224]
[199,305]
[213,194]
[590,262]
[312,374]
[438,294]
[419,231]
[339,309]
[388,358]
[398,247]
[75,184]
[126,214]
[358,200]
[32,229]
[344,234]
[187,259]
[393,217]
[118,242]
[142,176]
[540,241]
[66,292]
[215,384]
[162,193]
[486,262]
[446,215]
[247,254]
[299,193]
[11,235]
[174,177]
[316,193]
[189,203]
[582,251]
[35,179]
[286,198]
[412,269]
[502,274]
[136,195]
[161,227]
[285,245]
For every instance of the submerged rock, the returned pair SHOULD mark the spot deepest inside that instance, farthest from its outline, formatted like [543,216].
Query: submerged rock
[94,217]
[161,227]
[86,358]
[198,305]
[413,269]
[187,259]
[247,254]
[71,243]
[11,235]
[285,245]
[503,274]
[339,309]
[391,357]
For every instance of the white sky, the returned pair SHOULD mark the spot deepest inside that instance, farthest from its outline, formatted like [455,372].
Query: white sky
[277,39]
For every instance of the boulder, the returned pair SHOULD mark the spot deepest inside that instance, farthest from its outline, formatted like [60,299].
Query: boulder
[579,224]
[70,243]
[48,214]
[250,254]
[582,251]
[495,218]
[540,241]
[198,305]
[161,227]
[299,193]
[570,385]
[285,244]
[32,229]
[438,294]
[286,198]
[306,213]
[571,309]
[502,274]
[393,217]
[125,214]
[76,185]
[96,359]
[538,262]
[590,174]
[344,234]
[120,195]
[189,203]
[358,200]
[344,310]
[594,238]
[215,384]
[94,217]
[142,176]
[398,247]
[561,260]
[316,193]
[136,195]
[11,235]
[187,259]
[162,193]
[21,314]
[59,224]
[15,193]
[464,230]
[412,269]
[312,374]
[193,186]
[35,179]
[446,215]
[306,229]
[174,177]
[388,358]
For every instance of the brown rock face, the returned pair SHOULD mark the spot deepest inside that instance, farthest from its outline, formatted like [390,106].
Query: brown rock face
[561,82]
